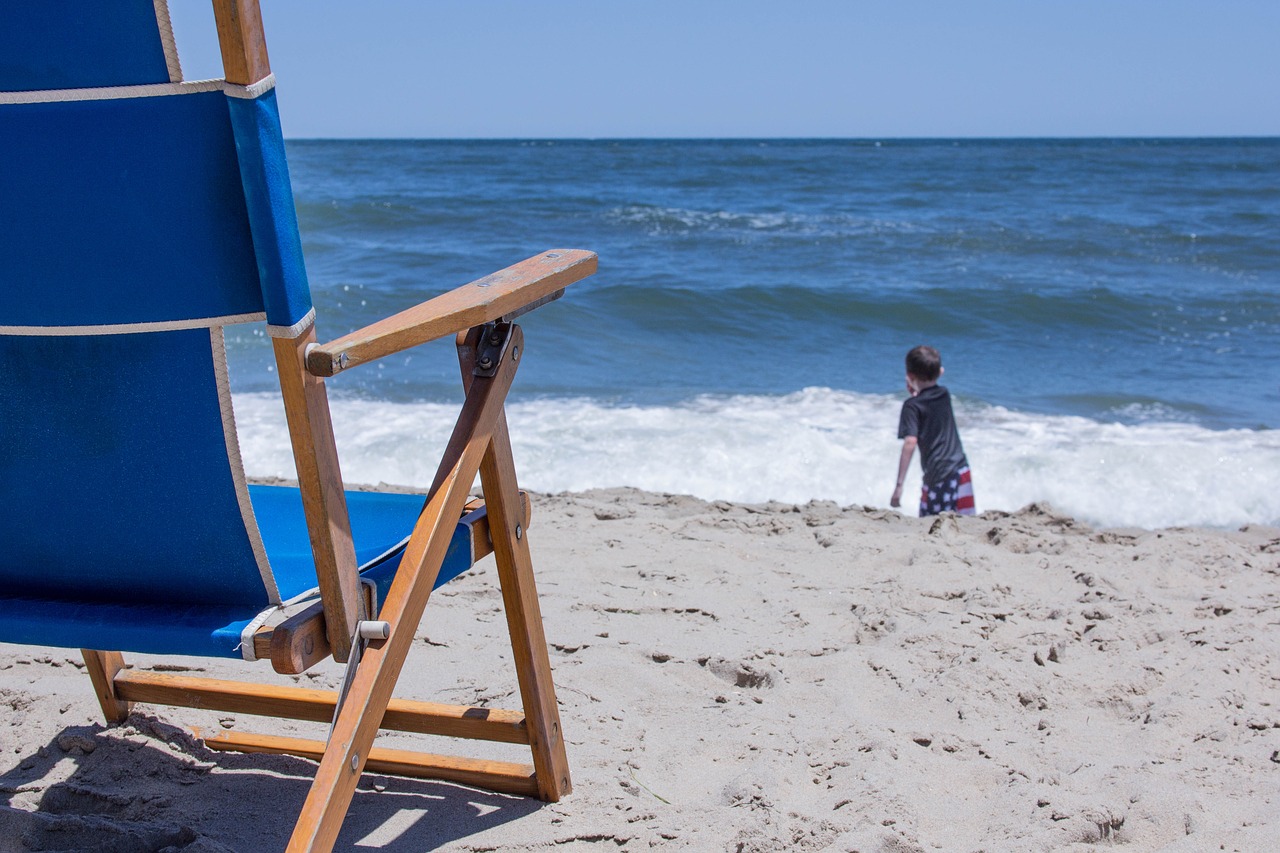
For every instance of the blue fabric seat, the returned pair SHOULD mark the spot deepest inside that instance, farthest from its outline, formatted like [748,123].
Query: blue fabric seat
[379,523]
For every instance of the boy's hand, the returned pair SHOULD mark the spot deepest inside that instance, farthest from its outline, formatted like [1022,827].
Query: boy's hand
[896,500]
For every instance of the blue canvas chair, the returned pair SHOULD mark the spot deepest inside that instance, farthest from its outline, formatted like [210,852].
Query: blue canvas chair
[141,215]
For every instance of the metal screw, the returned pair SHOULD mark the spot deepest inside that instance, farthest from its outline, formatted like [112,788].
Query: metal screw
[485,362]
[342,361]
[519,532]
[355,763]
[553,254]
[515,353]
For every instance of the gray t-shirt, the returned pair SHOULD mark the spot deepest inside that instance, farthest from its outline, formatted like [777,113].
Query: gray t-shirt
[929,418]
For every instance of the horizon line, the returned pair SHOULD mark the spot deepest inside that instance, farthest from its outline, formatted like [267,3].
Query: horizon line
[962,138]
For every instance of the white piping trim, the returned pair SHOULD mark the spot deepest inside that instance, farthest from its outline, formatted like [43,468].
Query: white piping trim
[146,90]
[237,465]
[133,328]
[109,93]
[253,90]
[167,41]
[307,321]
[399,546]
[305,595]
[247,650]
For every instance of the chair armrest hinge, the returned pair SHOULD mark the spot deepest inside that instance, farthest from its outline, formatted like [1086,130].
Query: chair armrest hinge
[494,339]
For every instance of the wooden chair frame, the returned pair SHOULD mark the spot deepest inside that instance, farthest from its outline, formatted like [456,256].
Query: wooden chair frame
[489,349]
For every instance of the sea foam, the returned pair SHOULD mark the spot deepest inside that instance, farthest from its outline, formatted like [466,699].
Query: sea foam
[815,444]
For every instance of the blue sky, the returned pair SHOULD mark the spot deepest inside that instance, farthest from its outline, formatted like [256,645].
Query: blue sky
[724,68]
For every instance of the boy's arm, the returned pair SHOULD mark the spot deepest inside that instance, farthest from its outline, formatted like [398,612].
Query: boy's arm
[904,462]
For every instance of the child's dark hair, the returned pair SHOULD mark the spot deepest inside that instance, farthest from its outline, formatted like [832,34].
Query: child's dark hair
[925,363]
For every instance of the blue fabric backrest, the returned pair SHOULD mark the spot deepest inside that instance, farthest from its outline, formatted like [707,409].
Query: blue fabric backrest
[147,202]
[264,175]
[115,481]
[136,221]
[123,211]
[98,43]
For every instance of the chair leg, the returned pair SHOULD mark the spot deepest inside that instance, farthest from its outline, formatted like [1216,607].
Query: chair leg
[103,667]
[520,596]
[524,617]
[375,678]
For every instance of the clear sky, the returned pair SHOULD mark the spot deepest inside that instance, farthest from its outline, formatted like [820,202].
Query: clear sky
[764,68]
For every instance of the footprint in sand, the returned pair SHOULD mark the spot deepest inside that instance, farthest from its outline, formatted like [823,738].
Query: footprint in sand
[741,673]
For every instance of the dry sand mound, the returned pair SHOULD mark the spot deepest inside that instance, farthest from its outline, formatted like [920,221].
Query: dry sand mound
[763,678]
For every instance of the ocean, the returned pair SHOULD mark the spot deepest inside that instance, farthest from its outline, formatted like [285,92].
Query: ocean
[1108,313]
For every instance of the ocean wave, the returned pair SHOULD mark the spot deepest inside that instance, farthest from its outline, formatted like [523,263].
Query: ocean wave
[816,444]
[1002,307]
[657,220]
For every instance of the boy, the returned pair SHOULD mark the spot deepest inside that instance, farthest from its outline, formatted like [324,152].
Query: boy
[927,420]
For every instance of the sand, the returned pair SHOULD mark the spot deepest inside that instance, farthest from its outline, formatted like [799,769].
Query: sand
[764,677]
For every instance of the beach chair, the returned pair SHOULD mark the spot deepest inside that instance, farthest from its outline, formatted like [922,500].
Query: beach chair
[141,215]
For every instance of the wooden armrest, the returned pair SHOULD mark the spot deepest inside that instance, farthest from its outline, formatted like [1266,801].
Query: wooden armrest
[507,292]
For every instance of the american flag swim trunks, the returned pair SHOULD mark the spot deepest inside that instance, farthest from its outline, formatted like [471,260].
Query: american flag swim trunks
[952,494]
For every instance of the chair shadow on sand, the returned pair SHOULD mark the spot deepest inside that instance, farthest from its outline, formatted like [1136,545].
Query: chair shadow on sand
[146,787]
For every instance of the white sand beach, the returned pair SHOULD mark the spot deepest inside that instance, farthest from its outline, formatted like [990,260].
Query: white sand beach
[761,678]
